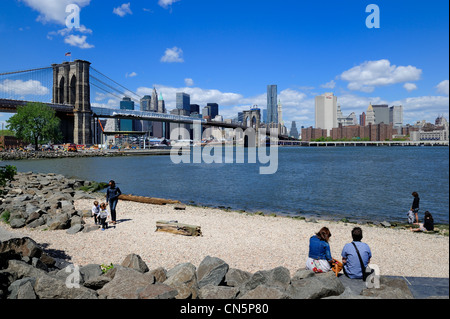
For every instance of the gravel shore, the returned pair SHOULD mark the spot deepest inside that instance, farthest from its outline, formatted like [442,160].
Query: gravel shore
[246,242]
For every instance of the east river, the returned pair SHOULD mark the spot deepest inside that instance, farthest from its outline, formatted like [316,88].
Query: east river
[358,183]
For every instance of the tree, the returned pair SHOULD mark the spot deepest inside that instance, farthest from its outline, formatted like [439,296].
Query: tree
[35,123]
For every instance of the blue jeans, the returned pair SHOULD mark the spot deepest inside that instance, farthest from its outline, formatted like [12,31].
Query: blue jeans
[112,205]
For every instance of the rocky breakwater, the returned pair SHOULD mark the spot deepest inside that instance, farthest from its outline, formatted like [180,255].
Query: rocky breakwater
[19,155]
[27,272]
[44,201]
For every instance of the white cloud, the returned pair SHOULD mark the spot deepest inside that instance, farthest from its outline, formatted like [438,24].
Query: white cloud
[78,41]
[173,55]
[410,87]
[19,87]
[131,75]
[123,10]
[443,87]
[371,74]
[66,31]
[189,82]
[329,85]
[166,3]
[53,10]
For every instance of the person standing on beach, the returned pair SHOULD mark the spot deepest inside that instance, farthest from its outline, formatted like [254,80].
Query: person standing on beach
[415,206]
[354,254]
[112,197]
[319,256]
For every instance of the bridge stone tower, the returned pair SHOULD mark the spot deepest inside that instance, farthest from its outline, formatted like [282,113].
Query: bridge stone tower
[252,119]
[71,87]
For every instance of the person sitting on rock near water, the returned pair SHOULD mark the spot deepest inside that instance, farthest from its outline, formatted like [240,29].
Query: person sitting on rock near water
[319,257]
[354,253]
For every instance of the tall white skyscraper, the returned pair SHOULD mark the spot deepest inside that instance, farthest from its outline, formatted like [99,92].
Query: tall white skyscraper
[280,113]
[326,112]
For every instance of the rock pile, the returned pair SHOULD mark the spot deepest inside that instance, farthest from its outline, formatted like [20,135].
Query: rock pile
[18,155]
[37,200]
[27,272]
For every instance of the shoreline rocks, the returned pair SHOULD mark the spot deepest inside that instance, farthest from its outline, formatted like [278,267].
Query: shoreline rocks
[27,272]
[44,201]
[18,156]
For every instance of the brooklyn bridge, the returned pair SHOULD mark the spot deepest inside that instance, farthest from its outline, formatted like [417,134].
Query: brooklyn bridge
[76,88]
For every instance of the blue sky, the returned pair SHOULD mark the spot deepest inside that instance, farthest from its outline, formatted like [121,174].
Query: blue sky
[229,51]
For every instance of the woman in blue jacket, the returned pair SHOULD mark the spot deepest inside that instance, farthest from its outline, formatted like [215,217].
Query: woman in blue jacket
[319,257]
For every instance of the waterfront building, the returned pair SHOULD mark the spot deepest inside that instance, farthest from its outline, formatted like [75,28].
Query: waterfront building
[184,102]
[381,113]
[326,112]
[310,133]
[371,132]
[272,106]
[370,116]
[126,125]
[294,131]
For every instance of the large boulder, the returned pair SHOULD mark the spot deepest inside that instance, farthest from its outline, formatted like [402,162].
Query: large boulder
[236,277]
[211,271]
[126,284]
[183,278]
[135,262]
[316,287]
[218,292]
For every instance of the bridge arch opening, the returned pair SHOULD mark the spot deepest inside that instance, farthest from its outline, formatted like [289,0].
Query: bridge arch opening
[73,90]
[62,83]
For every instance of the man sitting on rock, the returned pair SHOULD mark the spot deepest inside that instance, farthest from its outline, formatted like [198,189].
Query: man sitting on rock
[356,256]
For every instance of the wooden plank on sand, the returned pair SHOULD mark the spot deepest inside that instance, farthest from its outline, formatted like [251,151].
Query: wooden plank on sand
[147,200]
[178,229]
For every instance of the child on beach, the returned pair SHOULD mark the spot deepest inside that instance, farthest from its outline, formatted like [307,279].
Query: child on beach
[95,211]
[103,215]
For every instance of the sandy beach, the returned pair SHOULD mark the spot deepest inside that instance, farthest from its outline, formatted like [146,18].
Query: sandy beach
[247,242]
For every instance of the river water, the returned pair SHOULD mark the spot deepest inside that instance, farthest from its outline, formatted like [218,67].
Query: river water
[359,183]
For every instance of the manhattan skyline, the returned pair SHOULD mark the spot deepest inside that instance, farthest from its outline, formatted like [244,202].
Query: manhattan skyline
[228,52]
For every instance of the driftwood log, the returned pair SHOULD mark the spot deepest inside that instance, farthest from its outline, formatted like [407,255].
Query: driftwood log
[147,200]
[179,229]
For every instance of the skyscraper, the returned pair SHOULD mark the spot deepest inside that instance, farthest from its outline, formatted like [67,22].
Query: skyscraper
[145,103]
[381,113]
[280,113]
[294,132]
[184,102]
[272,105]
[161,104]
[126,104]
[326,112]
[154,102]
[214,109]
[370,115]
[396,116]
